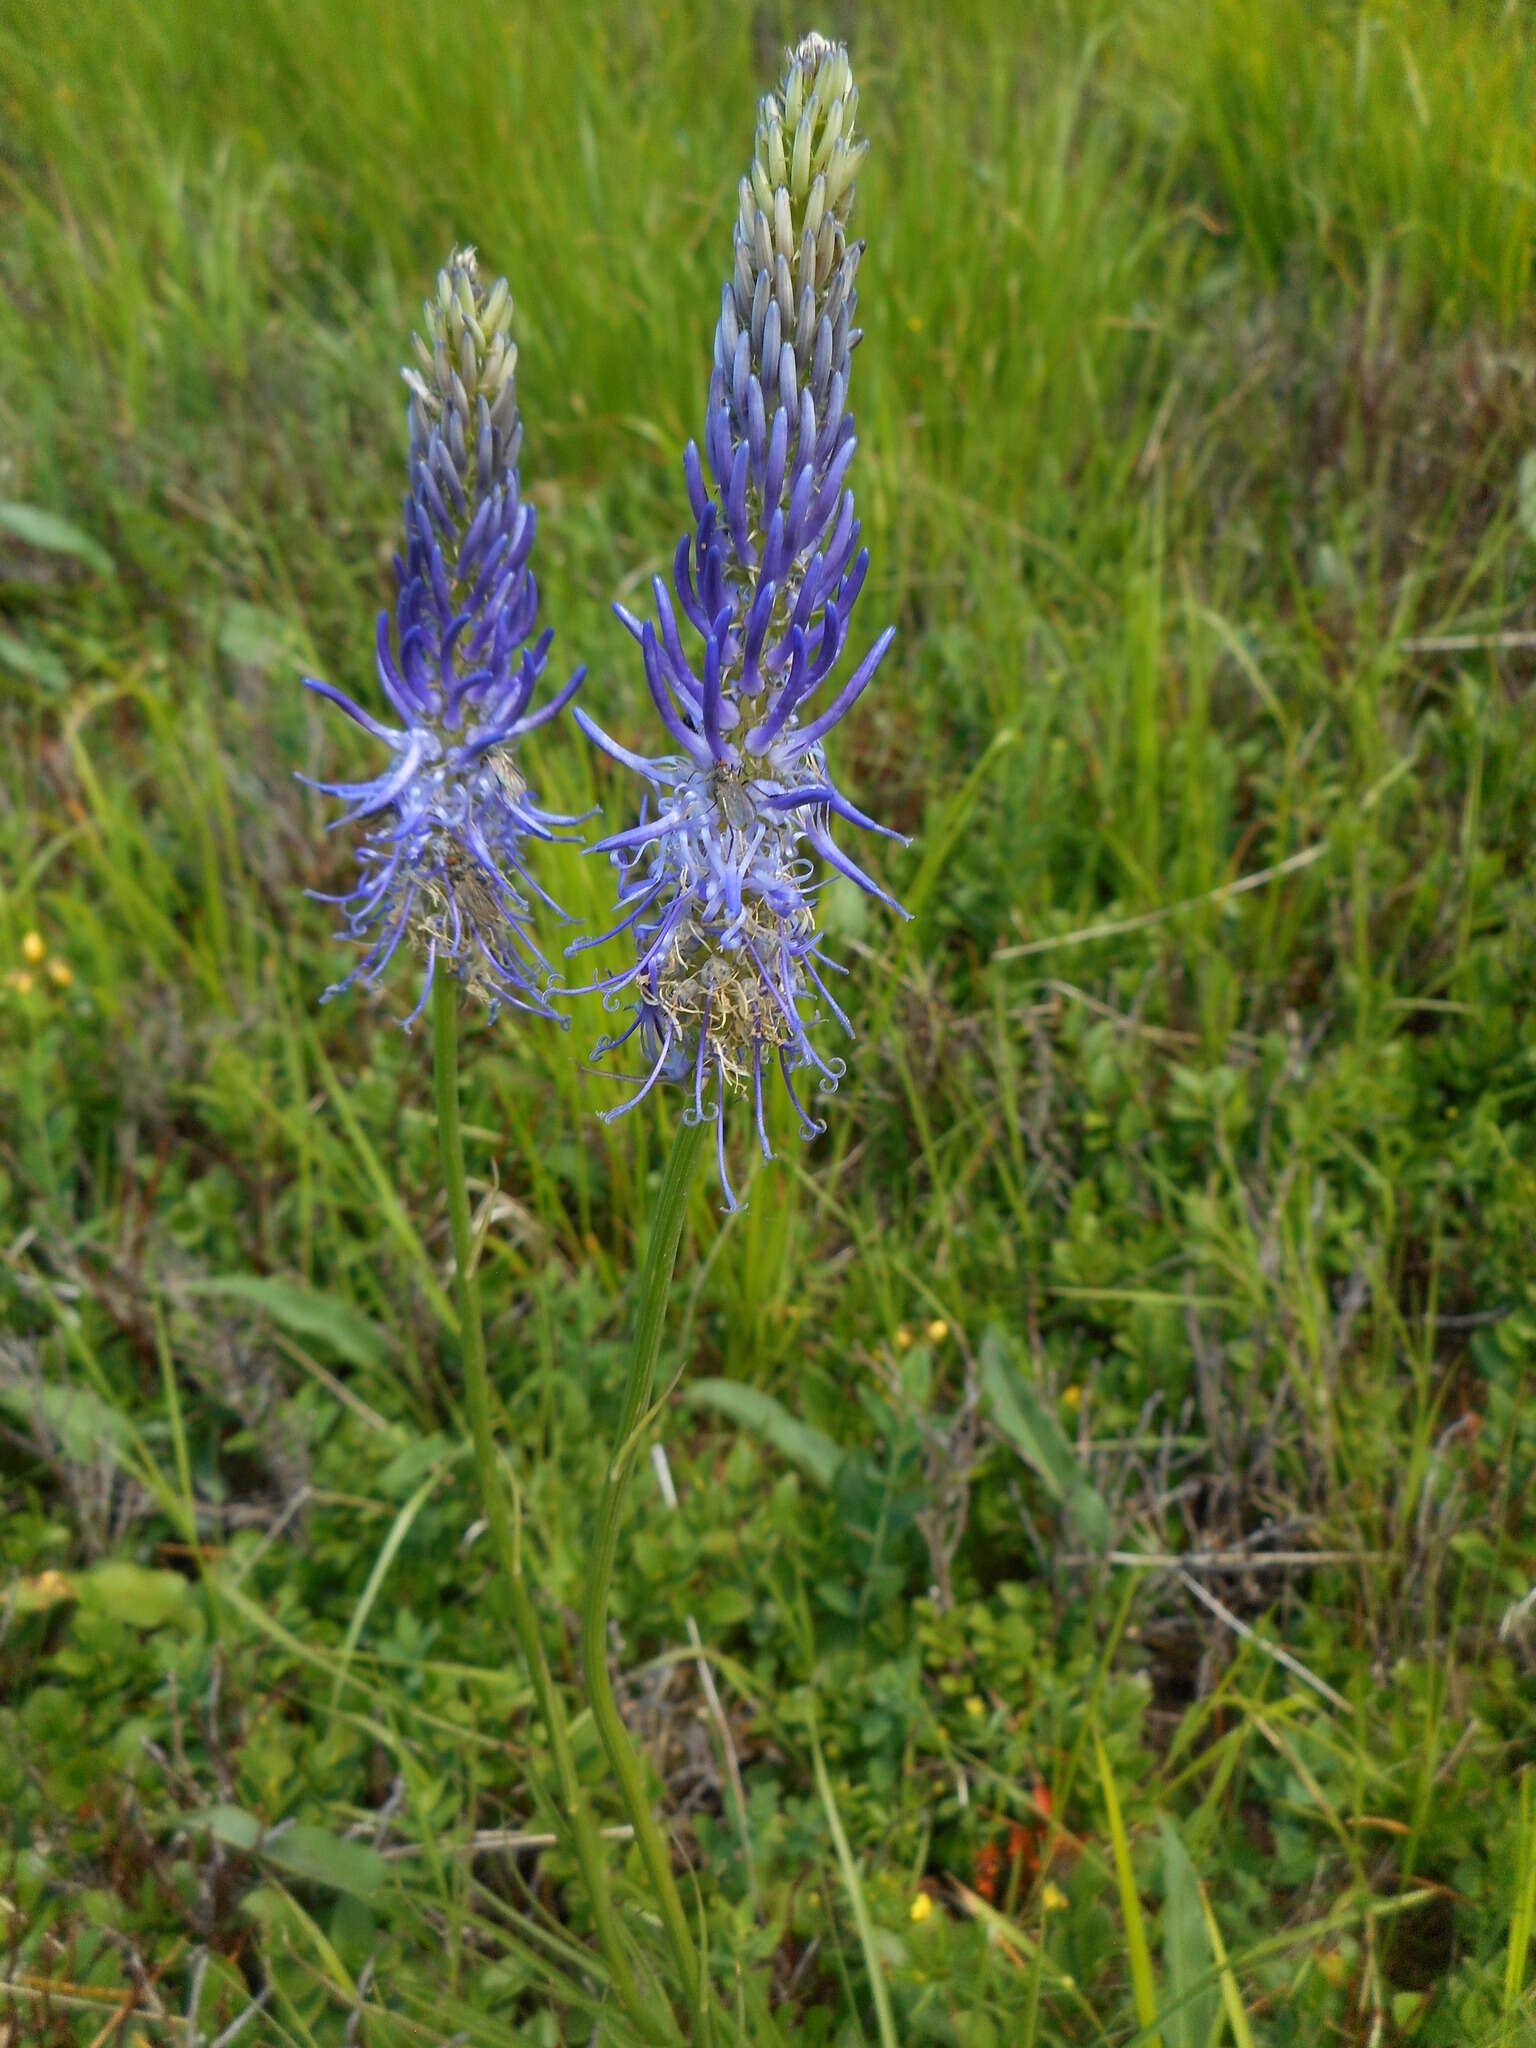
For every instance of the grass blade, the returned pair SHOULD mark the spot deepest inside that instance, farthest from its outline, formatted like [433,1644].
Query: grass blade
[1231,1998]
[1523,1918]
[1130,1904]
[884,2019]
[1186,1947]
[400,1529]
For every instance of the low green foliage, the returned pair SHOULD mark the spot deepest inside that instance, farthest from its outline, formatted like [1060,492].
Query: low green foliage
[1179,1201]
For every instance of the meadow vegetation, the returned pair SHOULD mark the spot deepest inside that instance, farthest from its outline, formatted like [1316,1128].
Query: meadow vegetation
[1103,1463]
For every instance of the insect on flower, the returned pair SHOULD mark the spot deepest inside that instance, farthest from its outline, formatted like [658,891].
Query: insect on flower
[443,859]
[717,883]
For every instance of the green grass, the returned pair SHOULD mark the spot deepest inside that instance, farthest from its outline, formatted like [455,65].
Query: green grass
[1198,378]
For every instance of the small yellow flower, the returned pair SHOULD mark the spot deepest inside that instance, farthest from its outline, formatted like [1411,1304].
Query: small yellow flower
[20,980]
[1072,1397]
[975,1706]
[937,1330]
[903,1338]
[922,1906]
[1052,1897]
[60,973]
[33,949]
[46,1590]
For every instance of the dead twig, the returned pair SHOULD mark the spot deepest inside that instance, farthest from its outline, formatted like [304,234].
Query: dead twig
[1120,926]
[1223,1613]
[1466,643]
[513,1840]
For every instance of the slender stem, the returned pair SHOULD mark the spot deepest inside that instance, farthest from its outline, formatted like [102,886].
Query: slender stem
[660,1259]
[589,1853]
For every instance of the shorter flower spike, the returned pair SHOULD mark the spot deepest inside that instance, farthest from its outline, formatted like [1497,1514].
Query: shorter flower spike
[448,820]
[717,889]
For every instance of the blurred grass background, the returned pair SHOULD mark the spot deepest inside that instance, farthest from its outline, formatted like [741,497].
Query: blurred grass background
[1180,1200]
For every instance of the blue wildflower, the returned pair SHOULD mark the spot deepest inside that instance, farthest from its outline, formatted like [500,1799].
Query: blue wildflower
[443,859]
[717,884]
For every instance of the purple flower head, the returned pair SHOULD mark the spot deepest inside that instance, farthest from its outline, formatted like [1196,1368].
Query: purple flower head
[719,881]
[442,865]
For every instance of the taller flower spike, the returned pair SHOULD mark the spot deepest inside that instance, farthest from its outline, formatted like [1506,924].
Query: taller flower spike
[443,859]
[717,886]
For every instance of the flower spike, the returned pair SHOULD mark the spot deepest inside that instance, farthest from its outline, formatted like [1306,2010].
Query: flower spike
[442,865]
[716,885]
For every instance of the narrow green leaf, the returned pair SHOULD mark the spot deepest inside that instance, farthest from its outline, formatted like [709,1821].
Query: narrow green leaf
[941,836]
[800,1442]
[305,1312]
[52,535]
[388,1552]
[1039,1439]
[1523,1918]
[385,1192]
[1231,1998]
[1023,1418]
[40,664]
[884,2019]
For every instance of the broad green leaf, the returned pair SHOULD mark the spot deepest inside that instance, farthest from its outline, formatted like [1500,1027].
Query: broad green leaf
[833,1594]
[79,1419]
[728,1606]
[1187,1959]
[309,1854]
[253,637]
[405,1471]
[304,1311]
[1085,1504]
[231,1825]
[315,1857]
[133,1593]
[53,535]
[1525,494]
[843,909]
[802,1444]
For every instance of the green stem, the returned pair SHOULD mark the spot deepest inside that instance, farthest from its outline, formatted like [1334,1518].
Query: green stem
[589,1852]
[660,1259]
